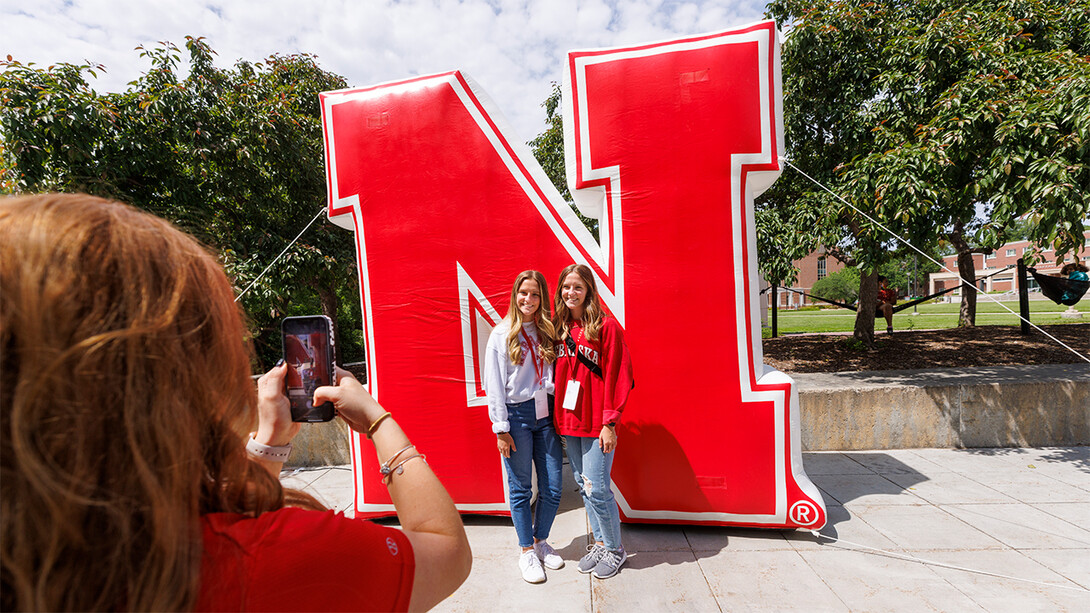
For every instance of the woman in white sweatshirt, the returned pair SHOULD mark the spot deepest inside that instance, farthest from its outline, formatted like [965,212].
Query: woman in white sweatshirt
[518,379]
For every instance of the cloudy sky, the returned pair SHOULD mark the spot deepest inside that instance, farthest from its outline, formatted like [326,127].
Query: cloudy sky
[513,48]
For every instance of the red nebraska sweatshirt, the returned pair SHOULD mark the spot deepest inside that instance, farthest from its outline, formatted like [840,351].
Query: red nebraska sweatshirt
[601,399]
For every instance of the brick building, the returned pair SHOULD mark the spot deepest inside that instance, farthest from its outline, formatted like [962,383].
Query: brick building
[1003,257]
[815,266]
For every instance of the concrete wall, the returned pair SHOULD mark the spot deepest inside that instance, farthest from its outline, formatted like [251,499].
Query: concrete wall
[1005,406]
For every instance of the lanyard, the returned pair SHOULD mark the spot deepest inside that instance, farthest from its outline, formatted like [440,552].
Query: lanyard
[595,369]
[539,364]
[574,348]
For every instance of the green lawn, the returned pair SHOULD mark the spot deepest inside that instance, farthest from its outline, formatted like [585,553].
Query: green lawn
[930,316]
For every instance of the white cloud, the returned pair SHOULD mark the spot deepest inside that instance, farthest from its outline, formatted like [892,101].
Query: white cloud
[513,48]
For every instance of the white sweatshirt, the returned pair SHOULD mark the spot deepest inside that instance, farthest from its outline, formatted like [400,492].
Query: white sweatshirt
[506,383]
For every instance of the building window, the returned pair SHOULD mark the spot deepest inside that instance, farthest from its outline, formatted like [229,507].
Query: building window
[1010,253]
[821,268]
[954,264]
[990,256]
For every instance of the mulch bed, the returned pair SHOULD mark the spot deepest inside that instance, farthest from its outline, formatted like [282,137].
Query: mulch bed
[914,349]
[908,349]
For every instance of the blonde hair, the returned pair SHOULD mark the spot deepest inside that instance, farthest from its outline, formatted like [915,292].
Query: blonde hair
[545,349]
[593,314]
[126,391]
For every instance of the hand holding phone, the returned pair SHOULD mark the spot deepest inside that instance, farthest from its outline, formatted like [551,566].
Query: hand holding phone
[274,424]
[354,404]
[308,351]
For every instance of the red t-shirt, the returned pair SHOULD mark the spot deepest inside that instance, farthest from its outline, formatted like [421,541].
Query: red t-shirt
[298,560]
[601,400]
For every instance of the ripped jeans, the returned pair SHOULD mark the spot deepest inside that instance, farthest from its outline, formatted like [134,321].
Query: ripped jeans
[591,470]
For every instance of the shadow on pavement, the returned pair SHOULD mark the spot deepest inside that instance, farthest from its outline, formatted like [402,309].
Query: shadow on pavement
[860,478]
[1079,457]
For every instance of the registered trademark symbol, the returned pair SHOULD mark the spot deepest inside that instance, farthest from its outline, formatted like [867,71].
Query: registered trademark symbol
[804,513]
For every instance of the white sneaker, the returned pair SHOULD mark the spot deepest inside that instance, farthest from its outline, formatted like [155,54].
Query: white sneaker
[548,556]
[531,568]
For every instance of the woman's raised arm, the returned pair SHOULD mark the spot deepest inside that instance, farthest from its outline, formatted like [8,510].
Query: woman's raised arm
[427,513]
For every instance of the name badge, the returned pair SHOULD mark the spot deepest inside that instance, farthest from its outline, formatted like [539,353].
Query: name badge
[541,404]
[571,395]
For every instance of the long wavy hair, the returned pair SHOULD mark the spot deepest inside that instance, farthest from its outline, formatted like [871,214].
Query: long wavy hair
[546,350]
[593,314]
[125,394]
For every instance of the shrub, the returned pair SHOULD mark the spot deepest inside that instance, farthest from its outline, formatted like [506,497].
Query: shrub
[842,286]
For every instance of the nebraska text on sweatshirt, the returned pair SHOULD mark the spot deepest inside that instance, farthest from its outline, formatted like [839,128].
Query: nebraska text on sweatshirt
[601,399]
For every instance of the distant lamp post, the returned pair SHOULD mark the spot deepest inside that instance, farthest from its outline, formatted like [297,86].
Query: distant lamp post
[915,282]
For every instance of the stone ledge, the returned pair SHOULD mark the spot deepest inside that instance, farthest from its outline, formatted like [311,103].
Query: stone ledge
[321,444]
[1001,406]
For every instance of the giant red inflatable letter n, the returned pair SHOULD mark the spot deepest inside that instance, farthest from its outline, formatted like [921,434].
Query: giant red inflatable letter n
[667,144]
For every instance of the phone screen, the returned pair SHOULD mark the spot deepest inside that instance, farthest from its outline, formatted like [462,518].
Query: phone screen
[308,352]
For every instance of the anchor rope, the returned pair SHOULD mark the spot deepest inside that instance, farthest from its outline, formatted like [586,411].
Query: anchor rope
[277,258]
[911,558]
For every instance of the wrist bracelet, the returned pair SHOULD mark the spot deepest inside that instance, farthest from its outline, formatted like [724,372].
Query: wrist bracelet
[374,424]
[385,468]
[389,477]
[266,452]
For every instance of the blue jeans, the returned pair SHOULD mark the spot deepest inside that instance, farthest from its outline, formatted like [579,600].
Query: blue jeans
[591,470]
[535,441]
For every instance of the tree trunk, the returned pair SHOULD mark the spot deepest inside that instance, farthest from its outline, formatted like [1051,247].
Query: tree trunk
[864,314]
[966,269]
[967,315]
[327,294]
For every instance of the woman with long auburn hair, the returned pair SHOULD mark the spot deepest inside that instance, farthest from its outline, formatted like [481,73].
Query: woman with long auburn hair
[593,380]
[128,479]
[518,379]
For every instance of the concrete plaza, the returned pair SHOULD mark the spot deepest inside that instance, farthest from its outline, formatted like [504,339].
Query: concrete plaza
[904,520]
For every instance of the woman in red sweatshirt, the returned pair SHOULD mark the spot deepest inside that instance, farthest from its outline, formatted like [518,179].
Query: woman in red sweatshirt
[593,378]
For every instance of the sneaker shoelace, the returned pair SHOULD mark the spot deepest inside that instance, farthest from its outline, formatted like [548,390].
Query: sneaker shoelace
[597,552]
[613,556]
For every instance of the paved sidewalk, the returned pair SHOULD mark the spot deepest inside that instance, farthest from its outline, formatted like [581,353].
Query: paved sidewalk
[1023,513]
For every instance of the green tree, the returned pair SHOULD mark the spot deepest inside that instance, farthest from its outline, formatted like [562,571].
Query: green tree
[548,149]
[779,242]
[923,112]
[841,286]
[908,273]
[233,156]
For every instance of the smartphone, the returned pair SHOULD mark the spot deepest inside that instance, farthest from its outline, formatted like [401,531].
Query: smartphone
[308,352]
